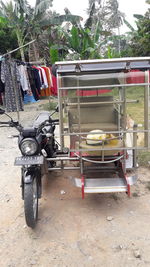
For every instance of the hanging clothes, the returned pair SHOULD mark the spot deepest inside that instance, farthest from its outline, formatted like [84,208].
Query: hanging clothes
[44,78]
[12,96]
[24,78]
[135,76]
[54,87]
[45,84]
[33,83]
[49,81]
[38,83]
[40,76]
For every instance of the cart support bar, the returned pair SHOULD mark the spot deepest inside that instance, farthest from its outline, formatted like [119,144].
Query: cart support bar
[82,186]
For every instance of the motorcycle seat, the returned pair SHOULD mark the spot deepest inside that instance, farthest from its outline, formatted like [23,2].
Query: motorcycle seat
[43,116]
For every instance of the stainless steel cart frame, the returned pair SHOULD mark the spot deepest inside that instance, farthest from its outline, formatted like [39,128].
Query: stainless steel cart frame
[97,95]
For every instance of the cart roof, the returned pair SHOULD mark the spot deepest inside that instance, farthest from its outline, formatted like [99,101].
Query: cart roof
[115,64]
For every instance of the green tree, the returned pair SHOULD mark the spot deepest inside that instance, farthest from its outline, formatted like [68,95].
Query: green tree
[140,42]
[49,32]
[8,38]
[23,19]
[82,43]
[109,18]
[17,13]
[54,35]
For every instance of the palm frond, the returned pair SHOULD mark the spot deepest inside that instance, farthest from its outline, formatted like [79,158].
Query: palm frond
[41,6]
[89,21]
[138,16]
[128,25]
[75,39]
[98,31]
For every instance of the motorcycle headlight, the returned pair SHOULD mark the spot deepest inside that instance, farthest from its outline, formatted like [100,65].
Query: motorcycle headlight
[28,146]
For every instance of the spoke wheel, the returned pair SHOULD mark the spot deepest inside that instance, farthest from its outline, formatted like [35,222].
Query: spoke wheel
[31,203]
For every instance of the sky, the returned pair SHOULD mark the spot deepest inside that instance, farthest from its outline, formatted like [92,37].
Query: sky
[78,7]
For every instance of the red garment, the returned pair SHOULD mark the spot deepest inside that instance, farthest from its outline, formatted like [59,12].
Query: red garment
[93,92]
[54,87]
[135,76]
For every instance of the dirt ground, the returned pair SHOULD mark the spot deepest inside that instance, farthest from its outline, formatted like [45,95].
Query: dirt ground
[101,230]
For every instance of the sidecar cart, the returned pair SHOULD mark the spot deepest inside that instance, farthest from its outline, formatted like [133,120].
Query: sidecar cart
[103,109]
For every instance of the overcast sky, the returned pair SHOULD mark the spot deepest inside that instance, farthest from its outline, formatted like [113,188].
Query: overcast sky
[78,7]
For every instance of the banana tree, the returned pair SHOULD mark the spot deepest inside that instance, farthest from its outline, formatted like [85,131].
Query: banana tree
[109,17]
[47,29]
[17,15]
[8,38]
[24,19]
[82,43]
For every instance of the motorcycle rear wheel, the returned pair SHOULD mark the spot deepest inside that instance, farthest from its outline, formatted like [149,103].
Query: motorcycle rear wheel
[31,203]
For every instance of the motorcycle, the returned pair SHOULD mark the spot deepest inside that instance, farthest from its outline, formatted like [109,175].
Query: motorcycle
[36,144]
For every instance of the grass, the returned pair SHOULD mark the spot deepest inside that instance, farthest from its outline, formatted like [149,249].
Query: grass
[144,158]
[50,105]
[136,110]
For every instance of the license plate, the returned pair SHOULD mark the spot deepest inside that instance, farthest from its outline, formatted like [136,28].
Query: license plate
[29,160]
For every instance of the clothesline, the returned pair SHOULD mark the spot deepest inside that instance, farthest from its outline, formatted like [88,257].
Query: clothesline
[32,81]
[36,63]
[37,81]
[30,62]
[17,82]
[10,52]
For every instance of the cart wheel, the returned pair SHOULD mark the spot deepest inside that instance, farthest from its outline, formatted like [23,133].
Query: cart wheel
[31,203]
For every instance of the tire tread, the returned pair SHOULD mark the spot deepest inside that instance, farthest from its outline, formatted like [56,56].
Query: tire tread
[28,205]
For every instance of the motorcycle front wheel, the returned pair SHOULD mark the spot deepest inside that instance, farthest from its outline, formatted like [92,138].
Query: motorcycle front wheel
[31,203]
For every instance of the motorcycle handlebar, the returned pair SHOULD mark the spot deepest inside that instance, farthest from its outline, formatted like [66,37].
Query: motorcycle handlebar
[11,124]
[5,122]
[47,123]
[19,127]
[56,120]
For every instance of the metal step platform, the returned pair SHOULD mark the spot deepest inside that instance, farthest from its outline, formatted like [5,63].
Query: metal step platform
[102,185]
[105,185]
